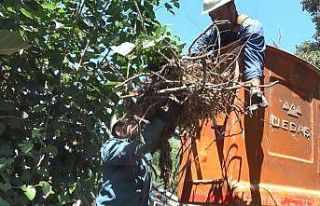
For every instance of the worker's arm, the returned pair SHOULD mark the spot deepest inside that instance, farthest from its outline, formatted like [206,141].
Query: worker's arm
[254,49]
[117,152]
[205,43]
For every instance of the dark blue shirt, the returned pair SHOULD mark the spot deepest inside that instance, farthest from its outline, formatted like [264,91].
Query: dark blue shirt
[251,32]
[126,170]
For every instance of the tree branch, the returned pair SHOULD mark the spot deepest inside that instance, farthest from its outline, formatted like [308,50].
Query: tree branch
[141,17]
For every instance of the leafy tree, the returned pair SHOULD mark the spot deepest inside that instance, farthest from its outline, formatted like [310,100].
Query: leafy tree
[313,7]
[310,50]
[58,95]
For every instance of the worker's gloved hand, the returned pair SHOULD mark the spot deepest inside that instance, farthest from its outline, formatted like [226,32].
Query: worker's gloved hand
[158,122]
[257,99]
[170,112]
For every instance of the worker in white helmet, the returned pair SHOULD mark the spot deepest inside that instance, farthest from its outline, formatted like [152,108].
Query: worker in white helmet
[234,27]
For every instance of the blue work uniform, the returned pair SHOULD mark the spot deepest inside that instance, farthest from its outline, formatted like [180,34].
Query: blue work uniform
[126,170]
[251,32]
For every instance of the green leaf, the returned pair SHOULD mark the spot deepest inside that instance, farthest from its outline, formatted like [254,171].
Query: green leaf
[176,4]
[26,175]
[72,187]
[10,42]
[3,202]
[46,188]
[26,13]
[118,24]
[51,149]
[36,132]
[48,6]
[66,78]
[110,83]
[26,147]
[29,191]
[5,162]
[5,187]
[169,7]
[148,43]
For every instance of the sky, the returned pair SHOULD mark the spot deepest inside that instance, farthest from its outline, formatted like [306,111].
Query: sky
[284,21]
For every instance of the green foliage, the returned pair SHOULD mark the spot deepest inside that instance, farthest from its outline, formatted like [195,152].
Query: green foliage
[310,50]
[56,97]
[313,7]
[174,153]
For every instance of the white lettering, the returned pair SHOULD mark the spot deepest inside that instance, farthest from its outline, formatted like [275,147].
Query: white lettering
[289,126]
[307,132]
[285,124]
[293,127]
[275,121]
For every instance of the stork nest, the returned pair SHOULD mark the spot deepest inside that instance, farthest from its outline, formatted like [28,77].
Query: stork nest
[205,85]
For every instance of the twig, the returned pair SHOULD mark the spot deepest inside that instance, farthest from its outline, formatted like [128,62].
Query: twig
[141,17]
[84,51]
[249,84]
[165,57]
[130,95]
[113,69]
[10,117]
[131,78]
[162,77]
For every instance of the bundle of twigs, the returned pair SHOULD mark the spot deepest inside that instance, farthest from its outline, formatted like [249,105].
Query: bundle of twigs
[204,84]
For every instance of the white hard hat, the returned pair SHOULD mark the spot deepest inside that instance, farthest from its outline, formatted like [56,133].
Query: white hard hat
[210,5]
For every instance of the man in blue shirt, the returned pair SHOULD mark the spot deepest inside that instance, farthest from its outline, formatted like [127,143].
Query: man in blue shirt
[237,27]
[126,160]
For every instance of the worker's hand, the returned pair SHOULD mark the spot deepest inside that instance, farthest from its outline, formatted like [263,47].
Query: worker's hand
[257,99]
[169,112]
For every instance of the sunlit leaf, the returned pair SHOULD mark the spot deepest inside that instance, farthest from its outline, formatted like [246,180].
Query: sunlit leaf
[46,189]
[26,13]
[112,83]
[10,42]
[148,44]
[72,187]
[124,48]
[49,6]
[26,147]
[29,191]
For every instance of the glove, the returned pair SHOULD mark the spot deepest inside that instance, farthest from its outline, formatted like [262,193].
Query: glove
[257,99]
[170,113]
